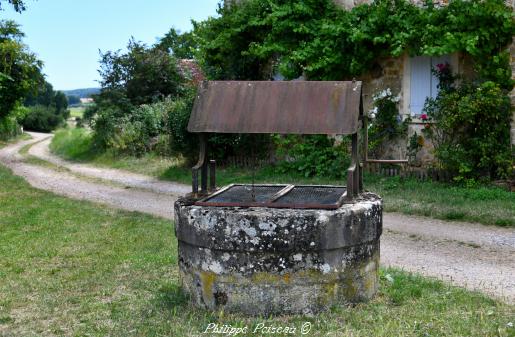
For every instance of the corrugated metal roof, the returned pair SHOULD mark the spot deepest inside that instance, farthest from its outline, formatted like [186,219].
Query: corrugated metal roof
[283,107]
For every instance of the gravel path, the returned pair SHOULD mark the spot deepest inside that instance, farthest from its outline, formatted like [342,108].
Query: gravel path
[130,198]
[470,255]
[133,180]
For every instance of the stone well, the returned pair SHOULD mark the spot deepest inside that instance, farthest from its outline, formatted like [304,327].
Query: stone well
[261,261]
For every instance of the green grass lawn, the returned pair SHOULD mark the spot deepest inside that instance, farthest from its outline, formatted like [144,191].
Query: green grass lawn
[487,205]
[77,111]
[74,268]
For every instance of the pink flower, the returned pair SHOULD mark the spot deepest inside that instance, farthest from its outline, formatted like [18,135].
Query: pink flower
[423,117]
[441,66]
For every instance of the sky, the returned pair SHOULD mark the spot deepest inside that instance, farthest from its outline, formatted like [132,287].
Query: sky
[68,34]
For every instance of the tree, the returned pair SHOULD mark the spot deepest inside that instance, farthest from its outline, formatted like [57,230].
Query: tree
[142,75]
[20,70]
[46,96]
[182,46]
[60,102]
[42,118]
[46,109]
[73,99]
[42,95]
[18,5]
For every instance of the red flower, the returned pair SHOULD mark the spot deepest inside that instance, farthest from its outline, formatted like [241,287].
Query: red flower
[441,66]
[427,126]
[423,117]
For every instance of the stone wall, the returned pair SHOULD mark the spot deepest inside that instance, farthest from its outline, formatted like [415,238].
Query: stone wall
[386,73]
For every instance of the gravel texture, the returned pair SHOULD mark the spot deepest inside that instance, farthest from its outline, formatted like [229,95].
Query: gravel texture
[470,255]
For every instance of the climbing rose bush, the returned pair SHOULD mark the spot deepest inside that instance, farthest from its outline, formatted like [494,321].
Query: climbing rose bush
[471,134]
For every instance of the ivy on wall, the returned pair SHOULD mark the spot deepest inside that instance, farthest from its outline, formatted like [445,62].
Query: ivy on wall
[322,41]
[255,39]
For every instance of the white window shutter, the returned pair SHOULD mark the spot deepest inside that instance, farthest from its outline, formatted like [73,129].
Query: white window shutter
[420,83]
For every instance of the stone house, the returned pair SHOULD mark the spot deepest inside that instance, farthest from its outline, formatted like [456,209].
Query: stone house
[411,78]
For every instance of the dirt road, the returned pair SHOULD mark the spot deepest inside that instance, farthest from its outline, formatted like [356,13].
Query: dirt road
[474,256]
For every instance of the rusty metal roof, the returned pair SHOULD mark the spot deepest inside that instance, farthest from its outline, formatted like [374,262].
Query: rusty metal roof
[284,107]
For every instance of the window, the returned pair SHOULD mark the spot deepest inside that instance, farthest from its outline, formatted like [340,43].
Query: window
[423,83]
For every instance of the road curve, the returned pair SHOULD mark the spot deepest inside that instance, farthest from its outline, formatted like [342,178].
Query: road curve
[470,255]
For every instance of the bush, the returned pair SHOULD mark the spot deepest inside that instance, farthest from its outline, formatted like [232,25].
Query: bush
[472,131]
[42,118]
[104,127]
[90,112]
[135,133]
[181,141]
[9,126]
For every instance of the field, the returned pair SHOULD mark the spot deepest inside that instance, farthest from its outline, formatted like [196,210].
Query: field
[77,111]
[76,268]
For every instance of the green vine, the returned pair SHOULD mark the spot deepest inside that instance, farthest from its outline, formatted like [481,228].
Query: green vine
[385,122]
[320,40]
[317,39]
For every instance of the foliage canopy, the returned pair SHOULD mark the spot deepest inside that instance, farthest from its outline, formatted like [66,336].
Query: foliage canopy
[46,109]
[141,76]
[18,5]
[322,41]
[20,70]
[180,45]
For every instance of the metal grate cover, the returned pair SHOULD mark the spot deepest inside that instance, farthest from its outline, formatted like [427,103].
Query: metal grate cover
[278,196]
[243,194]
[312,195]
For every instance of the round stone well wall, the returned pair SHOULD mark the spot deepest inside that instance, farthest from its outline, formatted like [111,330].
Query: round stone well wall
[261,261]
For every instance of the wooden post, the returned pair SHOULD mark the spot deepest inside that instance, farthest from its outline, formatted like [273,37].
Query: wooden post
[202,165]
[212,175]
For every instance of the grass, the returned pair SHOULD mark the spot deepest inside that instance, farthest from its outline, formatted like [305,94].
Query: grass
[23,136]
[75,144]
[487,204]
[77,111]
[75,268]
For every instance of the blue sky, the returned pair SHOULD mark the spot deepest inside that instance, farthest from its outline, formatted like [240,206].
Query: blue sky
[67,34]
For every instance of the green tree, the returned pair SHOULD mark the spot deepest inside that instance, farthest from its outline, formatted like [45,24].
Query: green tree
[43,95]
[18,5]
[141,76]
[20,70]
[60,101]
[47,109]
[73,99]
[225,42]
[182,46]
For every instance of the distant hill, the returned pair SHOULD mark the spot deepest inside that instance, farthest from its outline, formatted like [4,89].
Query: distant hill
[82,93]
